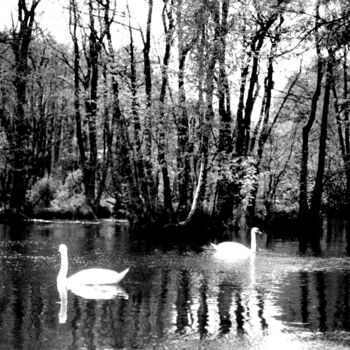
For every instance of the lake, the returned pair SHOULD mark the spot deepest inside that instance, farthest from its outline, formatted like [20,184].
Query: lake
[174,296]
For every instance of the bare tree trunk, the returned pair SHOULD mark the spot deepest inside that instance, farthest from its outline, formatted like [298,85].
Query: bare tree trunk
[343,124]
[81,137]
[316,199]
[183,158]
[90,166]
[140,171]
[152,191]
[199,195]
[200,188]
[21,133]
[224,193]
[303,200]
[346,153]
[225,135]
[123,170]
[169,32]
[245,109]
[108,132]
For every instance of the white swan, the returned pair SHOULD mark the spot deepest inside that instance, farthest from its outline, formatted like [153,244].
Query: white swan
[232,251]
[86,277]
[89,292]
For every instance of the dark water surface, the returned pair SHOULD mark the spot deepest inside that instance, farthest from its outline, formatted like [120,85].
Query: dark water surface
[172,298]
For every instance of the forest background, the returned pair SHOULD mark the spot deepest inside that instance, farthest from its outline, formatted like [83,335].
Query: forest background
[176,113]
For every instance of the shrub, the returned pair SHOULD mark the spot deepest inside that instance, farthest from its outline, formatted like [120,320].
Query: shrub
[50,198]
[43,192]
[70,195]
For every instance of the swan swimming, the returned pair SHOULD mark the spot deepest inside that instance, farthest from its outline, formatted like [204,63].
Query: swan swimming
[95,284]
[94,276]
[232,251]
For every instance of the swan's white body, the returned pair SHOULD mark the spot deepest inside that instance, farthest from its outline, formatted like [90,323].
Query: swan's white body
[86,277]
[89,284]
[232,251]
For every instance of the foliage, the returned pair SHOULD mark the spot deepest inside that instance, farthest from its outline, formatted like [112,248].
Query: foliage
[70,195]
[248,180]
[52,197]
[335,197]
[240,176]
[192,119]
[43,192]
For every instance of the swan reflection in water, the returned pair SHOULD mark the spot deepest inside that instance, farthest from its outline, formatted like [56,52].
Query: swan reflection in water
[91,284]
[239,294]
[88,292]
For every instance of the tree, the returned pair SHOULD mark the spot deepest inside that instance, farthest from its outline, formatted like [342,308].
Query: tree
[146,39]
[207,109]
[169,29]
[303,200]
[19,129]
[316,199]
[87,75]
[186,41]
[252,45]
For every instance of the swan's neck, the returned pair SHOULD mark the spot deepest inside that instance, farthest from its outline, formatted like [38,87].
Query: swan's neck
[62,290]
[62,275]
[253,242]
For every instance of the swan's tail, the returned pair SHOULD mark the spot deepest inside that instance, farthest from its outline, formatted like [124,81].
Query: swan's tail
[214,245]
[123,274]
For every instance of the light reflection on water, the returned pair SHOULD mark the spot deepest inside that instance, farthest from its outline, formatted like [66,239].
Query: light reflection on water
[170,299]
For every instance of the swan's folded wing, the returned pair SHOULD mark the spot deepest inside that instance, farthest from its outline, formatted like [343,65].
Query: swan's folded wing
[97,276]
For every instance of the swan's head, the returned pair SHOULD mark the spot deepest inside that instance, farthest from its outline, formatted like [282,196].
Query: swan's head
[62,249]
[255,230]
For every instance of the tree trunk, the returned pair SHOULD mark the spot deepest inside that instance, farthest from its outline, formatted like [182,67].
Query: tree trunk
[223,201]
[148,159]
[122,168]
[343,125]
[90,166]
[169,31]
[245,109]
[225,138]
[21,134]
[140,172]
[316,199]
[303,184]
[183,156]
[79,131]
[199,195]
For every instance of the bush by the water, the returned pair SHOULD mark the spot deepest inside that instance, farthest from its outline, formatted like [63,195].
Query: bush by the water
[49,198]
[43,192]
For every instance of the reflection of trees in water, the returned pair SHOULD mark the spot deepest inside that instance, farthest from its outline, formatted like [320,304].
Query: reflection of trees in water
[304,298]
[321,303]
[241,308]
[183,302]
[27,309]
[97,324]
[261,308]
[224,306]
[198,304]
[168,303]
[163,302]
[202,313]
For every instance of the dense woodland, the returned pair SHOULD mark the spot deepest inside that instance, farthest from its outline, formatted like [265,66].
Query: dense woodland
[228,110]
